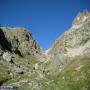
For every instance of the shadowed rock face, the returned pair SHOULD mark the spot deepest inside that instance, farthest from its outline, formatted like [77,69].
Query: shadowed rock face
[18,40]
[4,42]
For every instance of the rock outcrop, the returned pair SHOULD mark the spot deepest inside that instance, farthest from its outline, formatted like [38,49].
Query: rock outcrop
[18,40]
[73,43]
[20,56]
[7,57]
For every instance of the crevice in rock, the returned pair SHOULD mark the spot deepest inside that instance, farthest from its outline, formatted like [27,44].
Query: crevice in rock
[18,52]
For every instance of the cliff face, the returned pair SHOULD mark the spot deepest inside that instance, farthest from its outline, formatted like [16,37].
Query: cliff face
[18,41]
[73,43]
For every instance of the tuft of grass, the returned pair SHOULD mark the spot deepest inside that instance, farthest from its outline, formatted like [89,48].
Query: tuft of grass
[4,75]
[25,87]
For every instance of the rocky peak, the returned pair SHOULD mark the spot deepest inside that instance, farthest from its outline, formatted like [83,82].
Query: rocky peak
[80,19]
[76,34]
[74,42]
[18,41]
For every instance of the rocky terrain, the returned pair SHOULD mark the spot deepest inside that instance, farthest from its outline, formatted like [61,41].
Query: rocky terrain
[20,57]
[65,66]
[73,43]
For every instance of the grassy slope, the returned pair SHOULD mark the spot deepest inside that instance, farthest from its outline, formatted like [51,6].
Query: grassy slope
[75,76]
[3,74]
[28,62]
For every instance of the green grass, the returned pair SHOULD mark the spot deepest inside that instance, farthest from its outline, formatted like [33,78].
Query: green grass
[25,87]
[26,62]
[4,76]
[70,78]
[74,76]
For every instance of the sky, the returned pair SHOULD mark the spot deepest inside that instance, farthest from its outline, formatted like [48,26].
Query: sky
[45,19]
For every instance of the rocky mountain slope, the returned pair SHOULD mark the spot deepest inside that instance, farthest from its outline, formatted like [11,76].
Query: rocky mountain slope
[69,58]
[17,40]
[20,57]
[66,65]
[73,43]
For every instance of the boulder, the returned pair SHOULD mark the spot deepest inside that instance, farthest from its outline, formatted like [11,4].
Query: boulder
[7,56]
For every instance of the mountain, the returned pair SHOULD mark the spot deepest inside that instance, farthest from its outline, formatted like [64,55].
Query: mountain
[64,66]
[19,41]
[69,58]
[20,57]
[74,42]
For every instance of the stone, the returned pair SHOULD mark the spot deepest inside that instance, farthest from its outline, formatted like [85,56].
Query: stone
[36,66]
[7,56]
